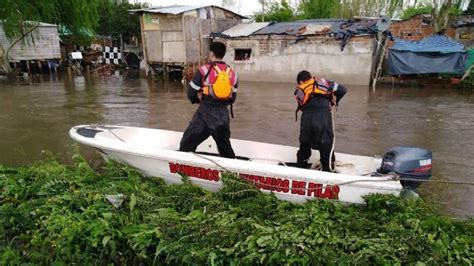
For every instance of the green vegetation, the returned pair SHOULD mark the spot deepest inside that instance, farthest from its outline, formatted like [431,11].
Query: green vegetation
[442,12]
[51,213]
[318,9]
[417,10]
[470,9]
[468,82]
[278,11]
[20,18]
[370,8]
[79,20]
[115,20]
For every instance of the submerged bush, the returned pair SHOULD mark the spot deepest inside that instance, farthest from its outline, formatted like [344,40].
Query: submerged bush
[52,213]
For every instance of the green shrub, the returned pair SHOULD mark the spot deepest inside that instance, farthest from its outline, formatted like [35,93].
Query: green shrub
[52,213]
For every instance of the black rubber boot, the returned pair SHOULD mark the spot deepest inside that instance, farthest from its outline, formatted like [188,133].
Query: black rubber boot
[302,164]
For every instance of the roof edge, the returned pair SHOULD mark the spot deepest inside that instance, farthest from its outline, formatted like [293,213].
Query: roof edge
[144,10]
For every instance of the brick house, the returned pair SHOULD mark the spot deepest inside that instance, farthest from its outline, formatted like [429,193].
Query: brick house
[416,28]
[275,52]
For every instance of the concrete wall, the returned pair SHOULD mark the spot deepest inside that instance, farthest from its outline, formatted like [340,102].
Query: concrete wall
[42,43]
[280,58]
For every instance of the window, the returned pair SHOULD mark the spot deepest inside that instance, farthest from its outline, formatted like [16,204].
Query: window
[465,36]
[242,54]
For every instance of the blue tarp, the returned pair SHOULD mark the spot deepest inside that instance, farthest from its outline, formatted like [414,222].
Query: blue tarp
[434,43]
[434,54]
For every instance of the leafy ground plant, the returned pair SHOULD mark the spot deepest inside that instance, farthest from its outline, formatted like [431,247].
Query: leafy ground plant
[57,214]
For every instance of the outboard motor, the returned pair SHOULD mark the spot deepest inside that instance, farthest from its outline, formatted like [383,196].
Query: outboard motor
[408,162]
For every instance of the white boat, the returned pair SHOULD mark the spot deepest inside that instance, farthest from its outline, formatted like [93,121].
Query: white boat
[154,153]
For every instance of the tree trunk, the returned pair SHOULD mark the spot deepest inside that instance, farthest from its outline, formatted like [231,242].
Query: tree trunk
[447,9]
[4,63]
[434,17]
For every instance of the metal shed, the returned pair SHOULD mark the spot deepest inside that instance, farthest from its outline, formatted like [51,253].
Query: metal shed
[41,44]
[178,36]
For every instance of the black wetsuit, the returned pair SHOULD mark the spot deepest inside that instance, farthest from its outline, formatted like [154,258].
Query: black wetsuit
[316,129]
[212,118]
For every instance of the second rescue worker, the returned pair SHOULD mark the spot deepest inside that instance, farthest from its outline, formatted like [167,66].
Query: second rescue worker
[316,97]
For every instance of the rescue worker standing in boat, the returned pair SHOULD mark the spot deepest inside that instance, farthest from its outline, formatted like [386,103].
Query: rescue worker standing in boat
[214,87]
[316,97]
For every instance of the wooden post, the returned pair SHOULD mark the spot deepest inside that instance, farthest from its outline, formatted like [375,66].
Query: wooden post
[142,28]
[28,67]
[184,40]
[378,72]
[467,73]
[166,75]
[121,50]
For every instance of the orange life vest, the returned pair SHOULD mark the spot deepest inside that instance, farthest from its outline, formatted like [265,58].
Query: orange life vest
[312,87]
[221,89]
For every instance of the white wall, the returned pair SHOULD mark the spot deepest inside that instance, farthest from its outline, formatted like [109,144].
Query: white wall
[281,63]
[42,43]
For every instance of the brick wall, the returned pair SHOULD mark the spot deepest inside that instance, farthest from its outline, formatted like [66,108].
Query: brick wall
[414,29]
[411,29]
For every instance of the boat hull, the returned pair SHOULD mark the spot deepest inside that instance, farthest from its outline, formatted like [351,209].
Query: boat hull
[287,183]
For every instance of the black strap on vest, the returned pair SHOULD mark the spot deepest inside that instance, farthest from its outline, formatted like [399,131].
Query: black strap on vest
[209,71]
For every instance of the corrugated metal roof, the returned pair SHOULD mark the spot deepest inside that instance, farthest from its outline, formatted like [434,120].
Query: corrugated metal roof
[245,29]
[41,24]
[463,21]
[176,9]
[323,21]
[316,28]
[302,27]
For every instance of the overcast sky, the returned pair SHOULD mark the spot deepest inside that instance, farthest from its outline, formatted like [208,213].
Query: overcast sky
[244,7]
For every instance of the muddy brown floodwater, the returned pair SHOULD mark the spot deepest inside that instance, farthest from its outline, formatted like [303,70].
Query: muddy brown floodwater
[37,113]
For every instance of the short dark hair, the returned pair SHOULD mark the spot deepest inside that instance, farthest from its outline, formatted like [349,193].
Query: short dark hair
[303,76]
[218,49]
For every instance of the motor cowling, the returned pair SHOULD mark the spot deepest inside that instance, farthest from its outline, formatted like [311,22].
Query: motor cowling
[408,162]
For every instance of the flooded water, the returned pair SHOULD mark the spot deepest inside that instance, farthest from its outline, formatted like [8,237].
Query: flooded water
[36,114]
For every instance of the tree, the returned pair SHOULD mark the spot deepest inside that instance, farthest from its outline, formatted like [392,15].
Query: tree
[470,8]
[368,8]
[313,9]
[116,21]
[281,11]
[417,10]
[20,19]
